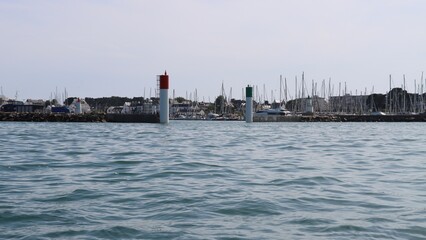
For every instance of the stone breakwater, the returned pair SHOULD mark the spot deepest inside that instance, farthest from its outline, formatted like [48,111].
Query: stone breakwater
[52,117]
[364,118]
[383,118]
[102,117]
[342,118]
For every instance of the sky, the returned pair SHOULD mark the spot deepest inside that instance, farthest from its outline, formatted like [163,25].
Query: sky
[103,48]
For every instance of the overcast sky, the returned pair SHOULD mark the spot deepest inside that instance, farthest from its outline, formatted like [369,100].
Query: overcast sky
[97,48]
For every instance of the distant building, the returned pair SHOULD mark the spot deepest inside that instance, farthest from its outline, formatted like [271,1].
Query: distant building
[85,108]
[39,102]
[11,106]
[19,106]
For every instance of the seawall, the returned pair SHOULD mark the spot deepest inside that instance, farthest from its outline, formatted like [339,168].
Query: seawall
[52,117]
[342,118]
[102,117]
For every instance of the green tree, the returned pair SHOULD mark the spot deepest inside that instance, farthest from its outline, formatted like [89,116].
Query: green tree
[180,99]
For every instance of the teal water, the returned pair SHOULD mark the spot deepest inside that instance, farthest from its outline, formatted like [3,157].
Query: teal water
[212,180]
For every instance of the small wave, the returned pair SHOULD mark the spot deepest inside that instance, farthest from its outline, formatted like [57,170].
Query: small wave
[75,153]
[309,181]
[379,220]
[310,221]
[123,154]
[10,217]
[250,208]
[190,173]
[194,165]
[344,228]
[126,162]
[167,174]
[76,195]
[116,232]
[25,166]
[287,147]
[414,232]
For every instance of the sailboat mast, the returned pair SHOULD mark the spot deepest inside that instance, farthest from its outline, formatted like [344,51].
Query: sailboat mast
[303,84]
[295,96]
[285,90]
[222,103]
[404,108]
[340,99]
[303,89]
[390,93]
[329,94]
[281,83]
[421,94]
[415,96]
[264,93]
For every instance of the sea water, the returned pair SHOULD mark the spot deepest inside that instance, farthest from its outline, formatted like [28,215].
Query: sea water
[212,180]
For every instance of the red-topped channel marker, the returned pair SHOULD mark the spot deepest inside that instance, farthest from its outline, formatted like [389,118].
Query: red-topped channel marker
[164,98]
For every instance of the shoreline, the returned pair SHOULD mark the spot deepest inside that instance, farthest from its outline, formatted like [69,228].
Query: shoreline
[102,117]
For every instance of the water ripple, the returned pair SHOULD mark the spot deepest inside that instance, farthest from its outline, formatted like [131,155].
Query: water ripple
[212,180]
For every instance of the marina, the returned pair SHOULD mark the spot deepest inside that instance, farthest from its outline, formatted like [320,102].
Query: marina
[395,106]
[152,118]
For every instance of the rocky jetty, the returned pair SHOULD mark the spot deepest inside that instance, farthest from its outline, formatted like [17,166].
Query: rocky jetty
[52,117]
[365,118]
[342,118]
[102,117]
[382,118]
[277,118]
[133,118]
[320,118]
